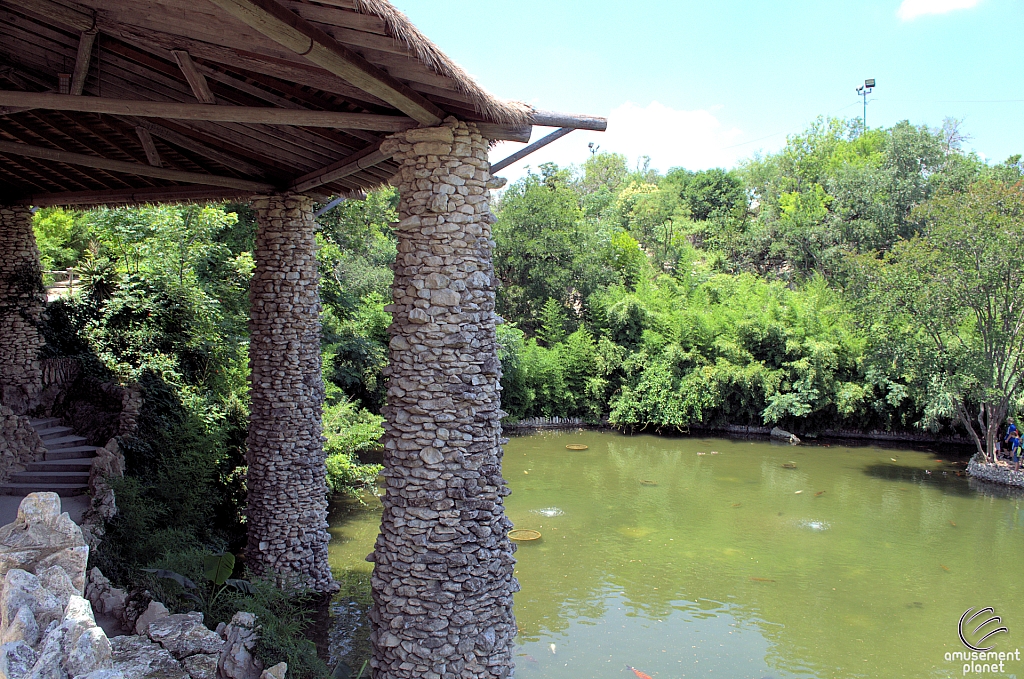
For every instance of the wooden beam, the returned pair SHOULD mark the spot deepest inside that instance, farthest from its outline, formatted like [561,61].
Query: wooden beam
[82,60]
[522,153]
[576,122]
[170,194]
[67,14]
[152,155]
[195,79]
[228,114]
[505,132]
[196,147]
[302,37]
[138,169]
[361,160]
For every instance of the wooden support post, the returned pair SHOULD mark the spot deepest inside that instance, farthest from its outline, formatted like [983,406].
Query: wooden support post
[522,153]
[152,155]
[195,79]
[85,44]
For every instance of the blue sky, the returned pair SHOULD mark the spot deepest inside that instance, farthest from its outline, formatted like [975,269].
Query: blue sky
[708,83]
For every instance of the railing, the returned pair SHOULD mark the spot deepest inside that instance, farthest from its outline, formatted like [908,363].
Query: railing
[62,282]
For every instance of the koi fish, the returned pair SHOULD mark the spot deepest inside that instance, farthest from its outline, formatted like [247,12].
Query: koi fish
[798,492]
[761,580]
[638,673]
[819,493]
[944,568]
[952,523]
[737,504]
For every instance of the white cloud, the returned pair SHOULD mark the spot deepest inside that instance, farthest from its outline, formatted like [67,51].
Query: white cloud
[911,9]
[695,140]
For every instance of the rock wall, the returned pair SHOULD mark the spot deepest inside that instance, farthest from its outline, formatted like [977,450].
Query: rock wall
[443,583]
[19,443]
[22,302]
[995,473]
[287,486]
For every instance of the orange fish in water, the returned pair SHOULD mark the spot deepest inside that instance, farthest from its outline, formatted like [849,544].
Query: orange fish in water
[944,568]
[638,673]
[952,523]
[761,580]
[737,504]
[819,493]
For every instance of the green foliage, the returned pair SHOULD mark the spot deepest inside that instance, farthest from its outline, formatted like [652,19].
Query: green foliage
[350,430]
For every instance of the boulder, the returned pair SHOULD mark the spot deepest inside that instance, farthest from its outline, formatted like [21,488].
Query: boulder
[89,653]
[58,582]
[185,634]
[201,666]
[240,637]
[154,612]
[782,435]
[139,658]
[23,590]
[276,672]
[22,628]
[16,659]
[51,655]
[106,599]
[40,537]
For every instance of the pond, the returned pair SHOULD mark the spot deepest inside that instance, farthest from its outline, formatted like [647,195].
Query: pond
[690,557]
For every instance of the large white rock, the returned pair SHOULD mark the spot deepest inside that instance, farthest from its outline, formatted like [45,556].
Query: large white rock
[237,660]
[16,660]
[154,612]
[139,658]
[201,666]
[23,590]
[22,628]
[40,537]
[185,634]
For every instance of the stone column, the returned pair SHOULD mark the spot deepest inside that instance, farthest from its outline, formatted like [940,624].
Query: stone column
[22,302]
[443,583]
[287,512]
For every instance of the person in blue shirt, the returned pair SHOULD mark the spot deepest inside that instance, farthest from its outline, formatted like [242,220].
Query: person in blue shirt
[1011,429]
[1015,449]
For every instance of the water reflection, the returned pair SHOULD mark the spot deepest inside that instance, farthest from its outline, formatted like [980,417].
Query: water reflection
[844,562]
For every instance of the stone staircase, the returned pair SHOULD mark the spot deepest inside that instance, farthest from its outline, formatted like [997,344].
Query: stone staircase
[64,468]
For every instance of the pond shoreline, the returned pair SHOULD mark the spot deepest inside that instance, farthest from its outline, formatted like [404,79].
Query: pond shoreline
[994,473]
[562,423]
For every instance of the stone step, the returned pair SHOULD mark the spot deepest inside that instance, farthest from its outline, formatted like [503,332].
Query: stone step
[62,489]
[71,453]
[81,465]
[50,478]
[64,442]
[43,422]
[53,432]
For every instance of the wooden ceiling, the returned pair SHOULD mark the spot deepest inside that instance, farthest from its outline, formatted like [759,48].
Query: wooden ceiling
[130,101]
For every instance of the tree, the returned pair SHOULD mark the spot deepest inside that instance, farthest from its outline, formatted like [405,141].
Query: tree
[955,297]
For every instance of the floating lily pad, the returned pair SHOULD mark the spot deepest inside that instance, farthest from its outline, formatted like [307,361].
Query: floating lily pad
[577,446]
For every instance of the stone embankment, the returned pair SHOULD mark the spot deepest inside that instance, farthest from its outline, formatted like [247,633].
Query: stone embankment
[48,606]
[995,473]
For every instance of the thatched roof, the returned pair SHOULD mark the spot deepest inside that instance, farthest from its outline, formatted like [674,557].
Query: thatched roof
[199,99]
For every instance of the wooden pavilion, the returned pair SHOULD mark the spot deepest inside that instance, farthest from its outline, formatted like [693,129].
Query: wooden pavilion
[287,102]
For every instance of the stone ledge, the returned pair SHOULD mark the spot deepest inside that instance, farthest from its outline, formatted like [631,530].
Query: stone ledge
[995,473]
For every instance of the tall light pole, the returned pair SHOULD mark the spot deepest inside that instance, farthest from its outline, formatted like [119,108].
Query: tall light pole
[864,90]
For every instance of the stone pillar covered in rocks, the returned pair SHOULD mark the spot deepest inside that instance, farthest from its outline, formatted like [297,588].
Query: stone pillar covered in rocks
[287,486]
[22,302]
[443,583]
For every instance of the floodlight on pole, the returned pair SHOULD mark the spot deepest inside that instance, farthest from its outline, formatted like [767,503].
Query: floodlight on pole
[864,90]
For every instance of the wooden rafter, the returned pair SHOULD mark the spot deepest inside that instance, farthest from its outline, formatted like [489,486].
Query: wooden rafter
[363,160]
[82,60]
[232,114]
[305,39]
[66,14]
[138,169]
[195,79]
[146,139]
[196,147]
[171,194]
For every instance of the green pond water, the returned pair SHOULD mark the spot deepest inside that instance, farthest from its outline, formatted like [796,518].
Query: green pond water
[855,563]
